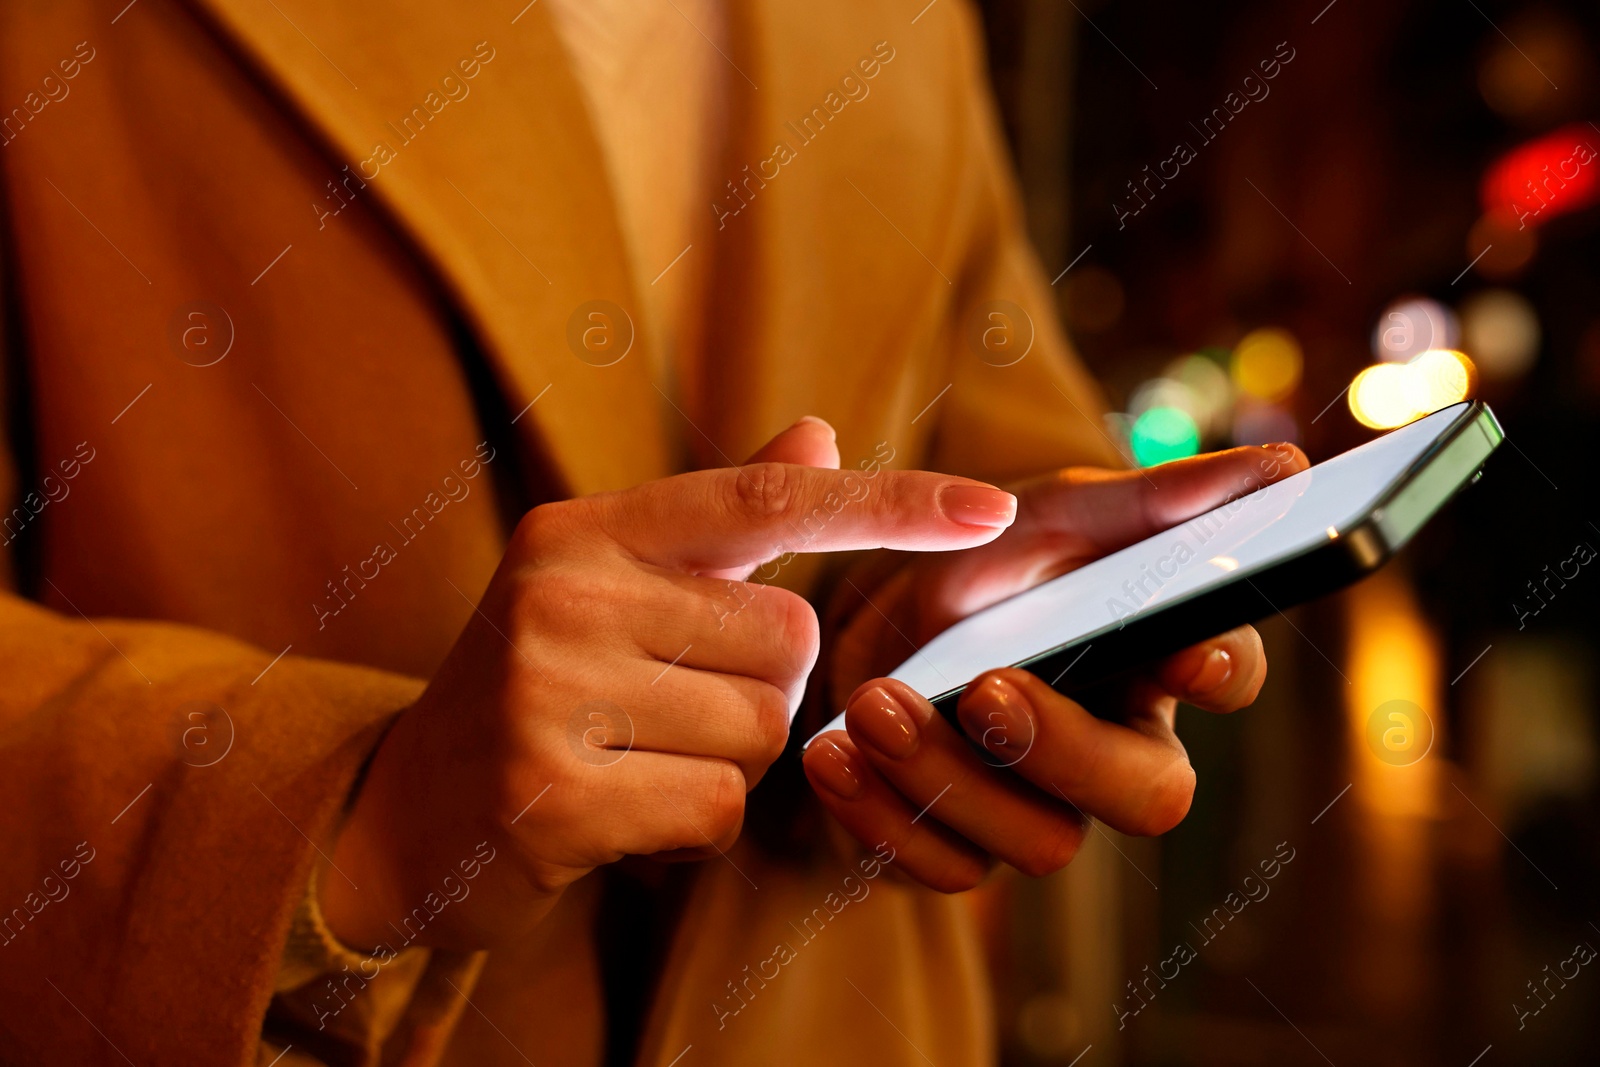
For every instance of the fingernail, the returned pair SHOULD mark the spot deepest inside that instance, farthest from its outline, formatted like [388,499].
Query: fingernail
[833,771]
[820,422]
[977,505]
[884,724]
[999,717]
[1211,673]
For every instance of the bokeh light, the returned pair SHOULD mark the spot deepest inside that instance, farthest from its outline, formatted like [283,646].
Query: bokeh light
[1162,393]
[1267,363]
[1497,248]
[1501,331]
[1264,424]
[1387,395]
[1544,178]
[1163,434]
[1511,85]
[1378,396]
[1210,390]
[1411,326]
[1438,378]
[1519,80]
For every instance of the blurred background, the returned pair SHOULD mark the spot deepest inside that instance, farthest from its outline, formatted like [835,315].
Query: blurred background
[1313,221]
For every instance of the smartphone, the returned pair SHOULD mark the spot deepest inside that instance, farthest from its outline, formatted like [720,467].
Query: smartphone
[1281,545]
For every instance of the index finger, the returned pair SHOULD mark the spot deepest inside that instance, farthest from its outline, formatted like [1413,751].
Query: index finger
[741,516]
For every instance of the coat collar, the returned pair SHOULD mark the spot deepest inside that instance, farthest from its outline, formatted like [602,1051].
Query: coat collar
[510,204]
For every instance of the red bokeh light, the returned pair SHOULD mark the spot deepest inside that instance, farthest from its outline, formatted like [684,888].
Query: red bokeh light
[1550,176]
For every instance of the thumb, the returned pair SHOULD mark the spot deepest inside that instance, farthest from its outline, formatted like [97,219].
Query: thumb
[1110,510]
[810,442]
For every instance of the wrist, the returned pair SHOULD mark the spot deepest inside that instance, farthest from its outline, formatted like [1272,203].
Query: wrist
[355,891]
[313,949]
[360,892]
[410,866]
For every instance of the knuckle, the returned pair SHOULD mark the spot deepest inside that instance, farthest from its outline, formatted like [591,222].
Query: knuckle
[899,492]
[539,527]
[766,490]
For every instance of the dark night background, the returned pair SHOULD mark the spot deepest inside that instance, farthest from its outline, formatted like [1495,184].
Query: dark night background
[1421,905]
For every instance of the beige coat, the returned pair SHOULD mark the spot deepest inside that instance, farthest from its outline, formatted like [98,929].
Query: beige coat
[166,782]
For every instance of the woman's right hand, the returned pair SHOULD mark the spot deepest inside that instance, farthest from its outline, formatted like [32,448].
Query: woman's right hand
[619,689]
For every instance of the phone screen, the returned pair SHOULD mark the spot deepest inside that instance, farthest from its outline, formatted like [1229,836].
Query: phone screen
[1244,536]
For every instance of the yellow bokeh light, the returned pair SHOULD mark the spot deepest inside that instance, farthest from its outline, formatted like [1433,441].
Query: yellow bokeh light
[1266,364]
[1378,396]
[1392,653]
[1501,330]
[1392,394]
[1443,376]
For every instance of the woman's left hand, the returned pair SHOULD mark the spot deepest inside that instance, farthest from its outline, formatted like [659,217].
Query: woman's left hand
[1043,764]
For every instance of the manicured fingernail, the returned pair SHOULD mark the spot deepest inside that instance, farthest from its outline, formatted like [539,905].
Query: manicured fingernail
[833,770]
[999,717]
[977,505]
[819,422]
[1282,450]
[1211,673]
[884,724]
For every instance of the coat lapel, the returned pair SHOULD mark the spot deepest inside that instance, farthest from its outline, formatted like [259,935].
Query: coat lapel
[509,202]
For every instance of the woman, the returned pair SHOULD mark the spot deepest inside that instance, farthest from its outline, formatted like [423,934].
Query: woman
[322,747]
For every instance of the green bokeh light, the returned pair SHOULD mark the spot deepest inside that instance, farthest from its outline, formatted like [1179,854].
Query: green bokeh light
[1163,434]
